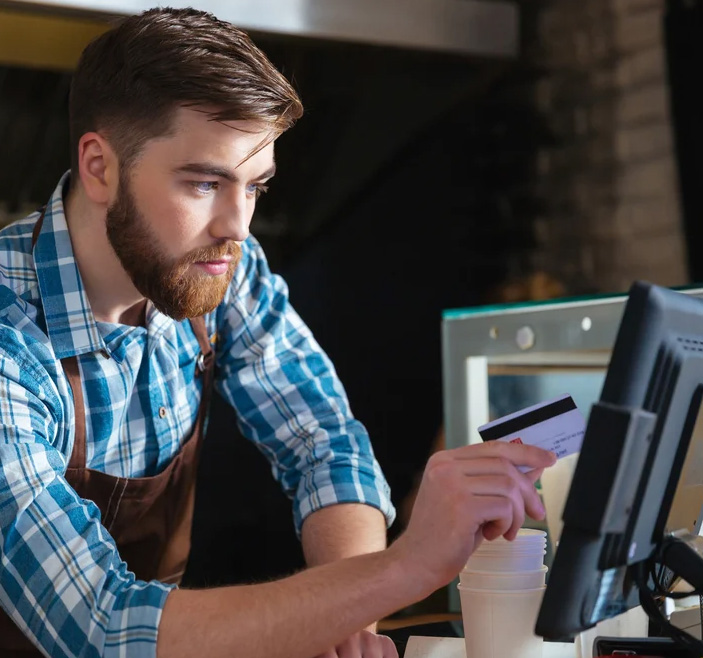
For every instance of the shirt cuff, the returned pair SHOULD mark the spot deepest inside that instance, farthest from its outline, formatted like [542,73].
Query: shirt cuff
[135,619]
[342,484]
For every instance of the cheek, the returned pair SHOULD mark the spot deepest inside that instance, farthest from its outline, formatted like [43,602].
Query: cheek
[178,224]
[176,218]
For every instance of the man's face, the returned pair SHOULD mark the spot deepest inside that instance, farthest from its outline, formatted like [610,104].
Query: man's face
[184,206]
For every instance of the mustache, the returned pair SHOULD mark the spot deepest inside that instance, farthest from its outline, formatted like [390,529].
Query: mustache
[216,252]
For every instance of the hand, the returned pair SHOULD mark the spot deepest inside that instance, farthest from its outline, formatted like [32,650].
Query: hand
[364,645]
[468,494]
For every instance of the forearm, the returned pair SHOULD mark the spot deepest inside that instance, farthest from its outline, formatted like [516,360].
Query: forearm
[297,617]
[467,493]
[341,531]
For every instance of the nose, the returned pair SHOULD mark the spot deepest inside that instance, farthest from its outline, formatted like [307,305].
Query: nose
[233,219]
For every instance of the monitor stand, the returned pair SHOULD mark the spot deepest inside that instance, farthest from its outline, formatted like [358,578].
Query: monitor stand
[681,555]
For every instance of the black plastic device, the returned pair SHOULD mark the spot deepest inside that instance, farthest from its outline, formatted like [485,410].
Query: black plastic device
[635,444]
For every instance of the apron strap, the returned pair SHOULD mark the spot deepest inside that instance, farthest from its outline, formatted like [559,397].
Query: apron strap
[37,227]
[72,371]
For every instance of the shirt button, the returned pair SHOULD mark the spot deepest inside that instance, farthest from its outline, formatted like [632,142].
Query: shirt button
[105,354]
[162,412]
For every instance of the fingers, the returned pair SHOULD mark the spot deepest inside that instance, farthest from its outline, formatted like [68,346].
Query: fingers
[506,487]
[489,472]
[535,507]
[504,458]
[388,647]
[364,645]
[468,494]
[518,453]
[529,499]
[534,475]
[495,516]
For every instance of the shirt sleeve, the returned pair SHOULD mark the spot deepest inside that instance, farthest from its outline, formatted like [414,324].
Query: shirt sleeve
[288,398]
[61,578]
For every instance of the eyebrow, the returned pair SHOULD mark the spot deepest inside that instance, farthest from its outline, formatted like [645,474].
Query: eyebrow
[208,169]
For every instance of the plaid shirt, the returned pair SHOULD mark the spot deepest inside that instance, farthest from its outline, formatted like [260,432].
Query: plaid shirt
[61,578]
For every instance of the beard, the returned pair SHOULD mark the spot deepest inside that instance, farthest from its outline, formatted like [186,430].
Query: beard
[174,287]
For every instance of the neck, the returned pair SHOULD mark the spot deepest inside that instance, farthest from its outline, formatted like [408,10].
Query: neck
[111,293]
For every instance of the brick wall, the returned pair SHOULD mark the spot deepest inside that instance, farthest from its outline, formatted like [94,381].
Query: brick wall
[609,180]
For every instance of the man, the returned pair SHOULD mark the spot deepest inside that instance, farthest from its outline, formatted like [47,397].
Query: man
[116,303]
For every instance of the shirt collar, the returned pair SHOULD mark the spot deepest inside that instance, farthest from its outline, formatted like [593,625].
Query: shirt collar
[69,319]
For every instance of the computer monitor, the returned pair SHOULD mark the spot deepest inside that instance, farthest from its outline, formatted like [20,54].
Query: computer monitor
[615,542]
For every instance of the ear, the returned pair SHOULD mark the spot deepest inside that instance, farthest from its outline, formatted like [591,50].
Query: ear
[98,168]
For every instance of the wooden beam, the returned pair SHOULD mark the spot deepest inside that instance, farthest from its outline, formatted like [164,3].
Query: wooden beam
[43,41]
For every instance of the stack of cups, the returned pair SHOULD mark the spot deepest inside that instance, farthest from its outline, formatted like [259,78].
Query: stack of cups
[501,589]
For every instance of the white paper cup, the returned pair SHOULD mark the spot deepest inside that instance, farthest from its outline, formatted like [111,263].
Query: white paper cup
[524,535]
[527,535]
[526,539]
[506,561]
[535,550]
[500,624]
[503,580]
[504,547]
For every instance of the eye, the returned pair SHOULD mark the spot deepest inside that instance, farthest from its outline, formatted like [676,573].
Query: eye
[256,189]
[205,187]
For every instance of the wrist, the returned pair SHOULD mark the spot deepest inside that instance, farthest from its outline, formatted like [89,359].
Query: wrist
[413,577]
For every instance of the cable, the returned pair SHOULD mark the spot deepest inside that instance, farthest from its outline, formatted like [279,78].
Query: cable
[664,588]
[642,572]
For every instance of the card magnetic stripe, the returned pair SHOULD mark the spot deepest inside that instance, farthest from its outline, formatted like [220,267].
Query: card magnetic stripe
[527,420]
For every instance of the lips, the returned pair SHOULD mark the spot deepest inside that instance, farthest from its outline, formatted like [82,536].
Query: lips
[218,261]
[215,267]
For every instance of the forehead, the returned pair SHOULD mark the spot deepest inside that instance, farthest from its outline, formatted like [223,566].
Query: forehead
[195,137]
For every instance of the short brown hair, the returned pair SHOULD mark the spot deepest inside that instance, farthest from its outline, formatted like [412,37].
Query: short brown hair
[130,81]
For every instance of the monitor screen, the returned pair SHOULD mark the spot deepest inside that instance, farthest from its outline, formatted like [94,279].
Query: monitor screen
[618,508]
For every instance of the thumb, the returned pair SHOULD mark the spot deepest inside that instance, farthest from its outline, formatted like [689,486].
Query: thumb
[534,474]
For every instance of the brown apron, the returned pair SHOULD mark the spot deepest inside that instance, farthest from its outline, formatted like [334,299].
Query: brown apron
[149,518]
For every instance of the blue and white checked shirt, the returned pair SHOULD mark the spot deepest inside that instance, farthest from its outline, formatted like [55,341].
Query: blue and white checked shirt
[61,578]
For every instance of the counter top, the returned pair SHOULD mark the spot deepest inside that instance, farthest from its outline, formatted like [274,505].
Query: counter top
[453,647]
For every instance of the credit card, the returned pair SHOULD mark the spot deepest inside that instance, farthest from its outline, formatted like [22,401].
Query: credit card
[555,425]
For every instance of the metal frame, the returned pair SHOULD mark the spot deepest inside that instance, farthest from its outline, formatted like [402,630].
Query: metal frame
[562,334]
